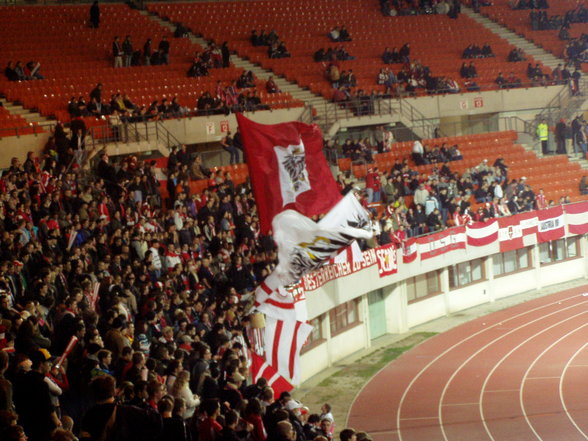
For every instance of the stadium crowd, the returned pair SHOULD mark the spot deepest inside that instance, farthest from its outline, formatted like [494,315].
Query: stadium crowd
[152,295]
[240,95]
[146,297]
[153,291]
[418,203]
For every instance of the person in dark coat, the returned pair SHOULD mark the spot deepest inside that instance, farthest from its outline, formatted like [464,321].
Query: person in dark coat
[164,50]
[560,136]
[174,426]
[95,15]
[147,52]
[226,54]
[108,421]
[32,399]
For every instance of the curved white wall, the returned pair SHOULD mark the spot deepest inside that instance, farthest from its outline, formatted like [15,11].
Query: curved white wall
[402,315]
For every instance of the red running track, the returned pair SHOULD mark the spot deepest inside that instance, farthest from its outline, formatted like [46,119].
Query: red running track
[520,374]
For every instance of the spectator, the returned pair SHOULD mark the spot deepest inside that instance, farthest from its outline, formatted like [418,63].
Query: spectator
[335,34]
[117,52]
[147,52]
[516,55]
[418,153]
[33,399]
[164,48]
[32,71]
[6,403]
[127,48]
[584,185]
[347,435]
[560,136]
[10,72]
[95,15]
[500,80]
[228,146]
[271,86]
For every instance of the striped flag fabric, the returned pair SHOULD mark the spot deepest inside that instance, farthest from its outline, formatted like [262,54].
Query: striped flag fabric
[283,340]
[72,238]
[260,368]
[284,303]
[349,254]
[517,231]
[409,250]
[551,224]
[480,234]
[577,218]
[442,242]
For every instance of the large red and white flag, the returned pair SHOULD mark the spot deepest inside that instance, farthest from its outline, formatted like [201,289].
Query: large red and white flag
[348,212]
[283,340]
[305,245]
[440,243]
[482,233]
[260,368]
[351,254]
[577,218]
[288,169]
[283,303]
[517,231]
[551,225]
[409,250]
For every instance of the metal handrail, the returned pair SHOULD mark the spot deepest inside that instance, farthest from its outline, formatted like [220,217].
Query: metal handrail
[306,115]
[559,107]
[378,106]
[18,131]
[164,135]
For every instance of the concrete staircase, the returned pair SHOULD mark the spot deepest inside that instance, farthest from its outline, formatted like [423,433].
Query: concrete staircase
[135,138]
[27,114]
[531,145]
[528,47]
[565,105]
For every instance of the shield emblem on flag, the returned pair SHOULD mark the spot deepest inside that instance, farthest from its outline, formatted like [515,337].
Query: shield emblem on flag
[293,174]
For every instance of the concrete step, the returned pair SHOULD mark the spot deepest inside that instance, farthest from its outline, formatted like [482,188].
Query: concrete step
[530,48]
[25,113]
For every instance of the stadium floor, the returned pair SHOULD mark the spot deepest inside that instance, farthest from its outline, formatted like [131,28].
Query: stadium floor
[518,373]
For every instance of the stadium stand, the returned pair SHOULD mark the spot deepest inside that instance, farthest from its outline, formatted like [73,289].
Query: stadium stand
[519,21]
[556,175]
[371,33]
[9,124]
[74,58]
[148,266]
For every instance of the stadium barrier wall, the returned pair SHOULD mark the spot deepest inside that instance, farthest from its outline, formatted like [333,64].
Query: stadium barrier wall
[401,315]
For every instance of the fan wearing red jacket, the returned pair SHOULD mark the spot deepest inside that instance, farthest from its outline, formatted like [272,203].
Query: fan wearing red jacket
[461,219]
[373,185]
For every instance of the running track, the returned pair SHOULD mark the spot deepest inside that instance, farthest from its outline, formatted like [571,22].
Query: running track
[520,374]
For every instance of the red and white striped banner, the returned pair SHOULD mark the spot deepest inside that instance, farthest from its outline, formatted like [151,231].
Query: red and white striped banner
[284,303]
[482,233]
[517,231]
[551,224]
[283,341]
[409,250]
[260,368]
[512,232]
[577,218]
[443,242]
